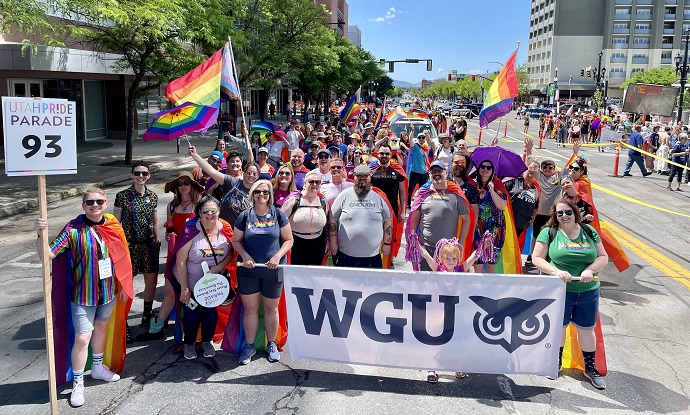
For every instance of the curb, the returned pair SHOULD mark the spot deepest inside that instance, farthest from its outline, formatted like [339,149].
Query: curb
[21,206]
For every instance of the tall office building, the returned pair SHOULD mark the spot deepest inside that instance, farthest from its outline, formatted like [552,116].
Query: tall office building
[338,20]
[354,35]
[633,35]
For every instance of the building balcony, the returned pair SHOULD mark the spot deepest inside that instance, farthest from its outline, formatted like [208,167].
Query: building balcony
[668,16]
[666,61]
[640,60]
[686,16]
[667,46]
[686,2]
[671,2]
[669,31]
[643,31]
[619,46]
[622,16]
[645,2]
[619,60]
[617,74]
[623,2]
[640,45]
[643,16]
[621,31]
[340,15]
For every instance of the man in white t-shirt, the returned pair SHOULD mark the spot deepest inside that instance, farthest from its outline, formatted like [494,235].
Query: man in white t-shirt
[295,136]
[324,162]
[338,183]
[275,147]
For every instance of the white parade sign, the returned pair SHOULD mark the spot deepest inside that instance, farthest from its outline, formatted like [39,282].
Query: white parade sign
[40,136]
[212,289]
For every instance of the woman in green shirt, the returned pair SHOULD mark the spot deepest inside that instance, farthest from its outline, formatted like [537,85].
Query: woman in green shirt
[574,250]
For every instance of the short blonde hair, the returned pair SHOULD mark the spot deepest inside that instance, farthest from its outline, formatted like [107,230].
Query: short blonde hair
[256,185]
[97,190]
[449,249]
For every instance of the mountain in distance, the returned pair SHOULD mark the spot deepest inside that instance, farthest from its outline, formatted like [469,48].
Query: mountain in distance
[405,84]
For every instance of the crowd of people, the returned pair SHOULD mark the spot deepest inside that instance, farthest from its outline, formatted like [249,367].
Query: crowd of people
[348,195]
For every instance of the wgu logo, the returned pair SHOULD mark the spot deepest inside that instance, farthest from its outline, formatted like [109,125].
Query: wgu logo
[511,322]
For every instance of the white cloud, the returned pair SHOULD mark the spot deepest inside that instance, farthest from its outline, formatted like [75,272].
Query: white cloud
[377,19]
[390,14]
[392,9]
[439,70]
[476,71]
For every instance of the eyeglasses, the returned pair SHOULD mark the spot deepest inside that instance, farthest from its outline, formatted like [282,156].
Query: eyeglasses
[98,202]
[574,168]
[250,174]
[184,183]
[459,162]
[215,160]
[337,167]
[284,173]
[141,173]
[384,154]
[209,211]
[261,192]
[548,168]
[324,156]
[486,167]
[314,182]
[561,213]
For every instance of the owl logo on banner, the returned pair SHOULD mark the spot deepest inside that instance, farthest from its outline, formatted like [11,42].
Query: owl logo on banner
[511,322]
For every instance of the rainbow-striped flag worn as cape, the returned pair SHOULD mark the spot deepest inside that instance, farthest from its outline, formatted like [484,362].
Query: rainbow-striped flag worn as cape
[352,108]
[499,100]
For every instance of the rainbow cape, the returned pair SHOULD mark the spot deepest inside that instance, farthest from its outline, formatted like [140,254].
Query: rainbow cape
[499,100]
[510,259]
[426,191]
[63,333]
[187,234]
[352,108]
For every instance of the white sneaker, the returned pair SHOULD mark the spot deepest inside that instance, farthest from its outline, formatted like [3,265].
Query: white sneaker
[273,354]
[103,373]
[77,396]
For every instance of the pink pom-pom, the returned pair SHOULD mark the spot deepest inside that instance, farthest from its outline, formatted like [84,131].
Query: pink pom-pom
[412,253]
[487,253]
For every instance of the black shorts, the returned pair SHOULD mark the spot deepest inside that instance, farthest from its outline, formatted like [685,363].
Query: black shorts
[269,282]
[145,257]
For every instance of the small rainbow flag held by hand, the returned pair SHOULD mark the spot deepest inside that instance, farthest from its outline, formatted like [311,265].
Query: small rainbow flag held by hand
[394,115]
[499,100]
[352,107]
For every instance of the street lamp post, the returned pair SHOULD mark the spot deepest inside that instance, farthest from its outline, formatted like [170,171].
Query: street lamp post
[683,69]
[555,93]
[599,73]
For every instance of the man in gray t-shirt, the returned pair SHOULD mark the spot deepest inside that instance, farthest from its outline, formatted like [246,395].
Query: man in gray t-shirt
[360,219]
[439,214]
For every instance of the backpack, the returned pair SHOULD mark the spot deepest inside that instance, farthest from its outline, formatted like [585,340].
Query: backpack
[297,205]
[552,235]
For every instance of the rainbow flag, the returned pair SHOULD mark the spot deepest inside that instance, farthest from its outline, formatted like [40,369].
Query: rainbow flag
[394,115]
[499,100]
[228,82]
[379,117]
[417,113]
[352,107]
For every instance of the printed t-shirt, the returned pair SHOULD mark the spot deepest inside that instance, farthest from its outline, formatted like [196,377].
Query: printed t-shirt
[388,180]
[550,191]
[262,233]
[523,200]
[360,222]
[572,255]
[235,199]
[440,213]
[201,251]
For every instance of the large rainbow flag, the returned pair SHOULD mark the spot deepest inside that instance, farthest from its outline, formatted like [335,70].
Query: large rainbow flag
[352,108]
[499,100]
[209,84]
[394,115]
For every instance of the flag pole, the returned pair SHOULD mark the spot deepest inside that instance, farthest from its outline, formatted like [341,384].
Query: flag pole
[250,155]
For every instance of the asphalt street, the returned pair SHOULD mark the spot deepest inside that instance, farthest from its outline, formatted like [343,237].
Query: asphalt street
[645,313]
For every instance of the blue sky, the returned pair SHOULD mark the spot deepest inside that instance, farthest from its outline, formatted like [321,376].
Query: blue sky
[457,34]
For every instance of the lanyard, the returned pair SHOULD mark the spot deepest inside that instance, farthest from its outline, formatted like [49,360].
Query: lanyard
[99,240]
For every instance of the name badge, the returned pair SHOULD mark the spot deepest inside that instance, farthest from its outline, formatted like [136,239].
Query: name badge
[105,269]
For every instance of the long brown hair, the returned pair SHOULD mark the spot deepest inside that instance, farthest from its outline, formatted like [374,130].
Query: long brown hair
[177,200]
[553,220]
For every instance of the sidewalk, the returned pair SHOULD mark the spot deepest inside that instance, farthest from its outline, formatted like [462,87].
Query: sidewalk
[19,194]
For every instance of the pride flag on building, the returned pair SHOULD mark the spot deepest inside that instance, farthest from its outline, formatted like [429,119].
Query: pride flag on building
[352,107]
[499,100]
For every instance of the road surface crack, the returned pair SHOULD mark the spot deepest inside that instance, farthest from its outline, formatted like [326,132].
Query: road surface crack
[283,404]
[25,367]
[673,369]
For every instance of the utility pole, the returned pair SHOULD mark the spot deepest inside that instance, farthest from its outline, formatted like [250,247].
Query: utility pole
[683,69]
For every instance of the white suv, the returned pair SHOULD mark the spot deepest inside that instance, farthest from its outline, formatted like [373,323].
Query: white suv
[414,126]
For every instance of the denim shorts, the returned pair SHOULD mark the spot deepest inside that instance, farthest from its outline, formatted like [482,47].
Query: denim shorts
[581,309]
[83,316]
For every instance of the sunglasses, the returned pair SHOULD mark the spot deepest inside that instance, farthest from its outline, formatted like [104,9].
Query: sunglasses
[324,156]
[337,167]
[215,160]
[561,213]
[98,202]
[209,211]
[284,173]
[385,154]
[184,183]
[486,167]
[261,192]
[574,168]
[459,162]
[548,168]
[314,182]
[141,173]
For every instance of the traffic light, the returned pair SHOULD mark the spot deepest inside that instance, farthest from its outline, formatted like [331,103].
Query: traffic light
[382,62]
[589,72]
[582,73]
[474,78]
[391,66]
[450,77]
[428,65]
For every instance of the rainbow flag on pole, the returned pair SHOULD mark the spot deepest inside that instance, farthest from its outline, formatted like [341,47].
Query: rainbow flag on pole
[352,107]
[499,100]
[394,115]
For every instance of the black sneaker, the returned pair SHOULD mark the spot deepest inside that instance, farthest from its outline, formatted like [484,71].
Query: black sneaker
[646,174]
[627,174]
[146,319]
[130,338]
[595,378]
[528,261]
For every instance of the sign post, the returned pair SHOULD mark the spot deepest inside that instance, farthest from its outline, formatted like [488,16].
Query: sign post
[41,139]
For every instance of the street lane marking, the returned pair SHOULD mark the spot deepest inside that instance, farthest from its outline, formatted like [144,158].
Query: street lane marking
[17,259]
[652,256]
[630,199]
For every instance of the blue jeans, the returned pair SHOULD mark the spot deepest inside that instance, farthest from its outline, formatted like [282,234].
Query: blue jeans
[638,159]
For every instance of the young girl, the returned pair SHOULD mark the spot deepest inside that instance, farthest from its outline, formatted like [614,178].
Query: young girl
[447,258]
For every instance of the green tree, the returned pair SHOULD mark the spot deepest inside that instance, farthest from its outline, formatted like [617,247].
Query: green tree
[30,17]
[524,86]
[656,76]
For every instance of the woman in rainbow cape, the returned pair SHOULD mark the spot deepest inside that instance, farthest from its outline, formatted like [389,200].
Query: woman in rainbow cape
[81,286]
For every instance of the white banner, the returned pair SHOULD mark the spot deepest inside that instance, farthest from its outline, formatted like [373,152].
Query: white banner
[610,135]
[473,323]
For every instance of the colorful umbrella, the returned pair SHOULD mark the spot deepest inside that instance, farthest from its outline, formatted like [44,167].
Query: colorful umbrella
[506,163]
[178,121]
[265,127]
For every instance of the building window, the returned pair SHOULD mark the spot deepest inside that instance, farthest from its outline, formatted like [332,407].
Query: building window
[644,11]
[618,55]
[622,11]
[619,40]
[639,56]
[641,41]
[635,70]
[642,26]
[621,26]
[617,70]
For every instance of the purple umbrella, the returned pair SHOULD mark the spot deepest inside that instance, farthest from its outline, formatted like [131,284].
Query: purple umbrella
[506,163]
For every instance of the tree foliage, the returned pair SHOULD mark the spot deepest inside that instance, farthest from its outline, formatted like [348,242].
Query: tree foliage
[656,76]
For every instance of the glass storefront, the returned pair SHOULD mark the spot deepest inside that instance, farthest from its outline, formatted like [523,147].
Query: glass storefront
[149,105]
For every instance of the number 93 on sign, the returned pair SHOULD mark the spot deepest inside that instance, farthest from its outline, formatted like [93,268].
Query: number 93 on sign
[35,147]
